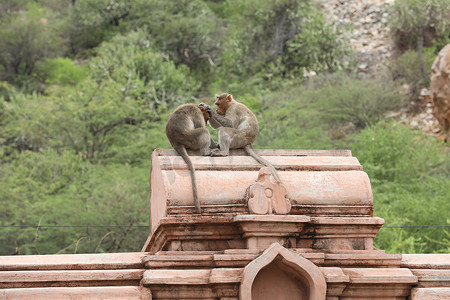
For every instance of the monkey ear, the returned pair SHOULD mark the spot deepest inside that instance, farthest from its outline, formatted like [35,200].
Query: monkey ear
[229,97]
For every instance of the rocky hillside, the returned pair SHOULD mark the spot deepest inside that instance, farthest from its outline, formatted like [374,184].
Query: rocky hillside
[369,33]
[371,41]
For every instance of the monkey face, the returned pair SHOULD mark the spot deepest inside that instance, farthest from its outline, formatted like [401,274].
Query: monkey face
[223,102]
[205,114]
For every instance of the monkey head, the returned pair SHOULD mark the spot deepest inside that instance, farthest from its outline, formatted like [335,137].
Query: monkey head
[206,111]
[222,102]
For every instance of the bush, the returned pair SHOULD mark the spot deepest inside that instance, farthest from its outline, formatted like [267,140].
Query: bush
[187,31]
[361,102]
[258,32]
[94,21]
[406,68]
[130,88]
[25,39]
[279,39]
[411,20]
[409,174]
[294,124]
[319,47]
[62,71]
[145,75]
[61,189]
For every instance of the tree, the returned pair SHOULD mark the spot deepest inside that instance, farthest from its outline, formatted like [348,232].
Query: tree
[186,30]
[26,38]
[413,17]
[93,21]
[129,87]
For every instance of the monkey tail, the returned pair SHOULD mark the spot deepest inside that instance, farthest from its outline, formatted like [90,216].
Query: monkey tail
[252,153]
[183,153]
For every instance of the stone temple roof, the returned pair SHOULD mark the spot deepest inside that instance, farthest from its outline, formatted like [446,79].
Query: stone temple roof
[309,236]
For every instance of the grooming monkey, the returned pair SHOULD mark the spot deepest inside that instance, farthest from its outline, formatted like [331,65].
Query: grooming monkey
[238,128]
[186,129]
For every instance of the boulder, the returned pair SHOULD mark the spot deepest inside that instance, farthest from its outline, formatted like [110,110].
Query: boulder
[440,88]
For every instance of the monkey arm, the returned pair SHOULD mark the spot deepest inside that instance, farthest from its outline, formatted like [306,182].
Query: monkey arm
[217,121]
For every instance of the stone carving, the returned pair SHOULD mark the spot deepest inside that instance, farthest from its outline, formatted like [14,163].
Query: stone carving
[281,274]
[267,197]
[440,87]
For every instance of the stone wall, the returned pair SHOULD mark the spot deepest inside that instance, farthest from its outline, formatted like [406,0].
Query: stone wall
[370,37]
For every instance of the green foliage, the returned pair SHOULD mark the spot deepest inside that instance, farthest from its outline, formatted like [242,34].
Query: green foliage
[407,68]
[392,152]
[25,39]
[130,88]
[62,71]
[86,88]
[144,74]
[94,21]
[258,33]
[319,46]
[294,124]
[361,102]
[186,30]
[410,18]
[409,174]
[54,189]
[273,40]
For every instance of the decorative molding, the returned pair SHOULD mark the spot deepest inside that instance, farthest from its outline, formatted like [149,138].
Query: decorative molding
[267,197]
[310,274]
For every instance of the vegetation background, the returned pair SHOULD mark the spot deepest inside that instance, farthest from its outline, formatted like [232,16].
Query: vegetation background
[86,87]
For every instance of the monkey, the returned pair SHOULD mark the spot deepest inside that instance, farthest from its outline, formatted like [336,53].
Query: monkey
[186,129]
[238,128]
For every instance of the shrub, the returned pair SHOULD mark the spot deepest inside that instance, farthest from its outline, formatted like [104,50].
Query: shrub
[411,20]
[187,31]
[407,68]
[361,102]
[62,71]
[409,174]
[25,39]
[318,46]
[131,61]
[60,189]
[279,39]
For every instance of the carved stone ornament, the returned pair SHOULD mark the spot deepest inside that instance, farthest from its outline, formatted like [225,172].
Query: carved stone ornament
[281,274]
[268,197]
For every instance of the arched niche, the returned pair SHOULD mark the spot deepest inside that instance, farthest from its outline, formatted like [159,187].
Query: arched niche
[281,274]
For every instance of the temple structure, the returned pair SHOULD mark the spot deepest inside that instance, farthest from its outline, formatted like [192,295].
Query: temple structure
[309,236]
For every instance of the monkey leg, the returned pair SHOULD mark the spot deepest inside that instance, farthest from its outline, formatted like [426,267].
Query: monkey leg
[225,135]
[230,138]
[200,139]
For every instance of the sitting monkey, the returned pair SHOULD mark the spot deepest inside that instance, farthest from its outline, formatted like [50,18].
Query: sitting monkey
[238,128]
[186,129]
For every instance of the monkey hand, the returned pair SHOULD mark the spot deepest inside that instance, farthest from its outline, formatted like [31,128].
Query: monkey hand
[207,108]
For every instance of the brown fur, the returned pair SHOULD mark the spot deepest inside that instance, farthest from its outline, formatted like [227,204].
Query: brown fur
[238,128]
[186,129]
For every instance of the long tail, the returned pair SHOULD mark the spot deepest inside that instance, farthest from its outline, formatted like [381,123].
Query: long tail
[183,153]
[252,153]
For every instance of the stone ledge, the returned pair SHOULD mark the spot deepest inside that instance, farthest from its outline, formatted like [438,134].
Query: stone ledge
[430,293]
[221,232]
[101,261]
[18,279]
[245,163]
[265,152]
[426,261]
[432,277]
[75,293]
[241,257]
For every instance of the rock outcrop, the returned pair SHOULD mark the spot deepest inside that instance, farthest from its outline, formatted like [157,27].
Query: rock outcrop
[440,88]
[370,37]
